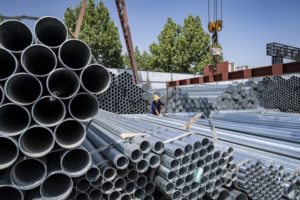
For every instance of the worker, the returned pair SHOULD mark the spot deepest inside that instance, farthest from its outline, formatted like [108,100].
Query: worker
[156,106]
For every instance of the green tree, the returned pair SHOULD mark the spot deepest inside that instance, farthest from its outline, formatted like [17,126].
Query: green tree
[144,60]
[182,49]
[164,52]
[99,32]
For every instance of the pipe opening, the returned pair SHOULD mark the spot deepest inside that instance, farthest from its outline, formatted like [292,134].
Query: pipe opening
[9,152]
[10,193]
[203,153]
[76,161]
[210,148]
[56,185]
[83,107]
[149,188]
[174,164]
[95,194]
[200,163]
[115,195]
[28,174]
[171,175]
[194,156]
[159,146]
[130,187]
[132,175]
[142,166]
[192,167]
[92,174]
[63,83]
[82,196]
[169,187]
[14,119]
[142,181]
[125,197]
[182,171]
[50,31]
[23,89]
[145,146]
[15,35]
[120,184]
[122,161]
[189,179]
[178,153]
[139,193]
[192,195]
[223,195]
[48,111]
[36,141]
[136,155]
[74,54]
[38,60]
[69,134]
[107,187]
[83,185]
[201,191]
[188,149]
[95,79]
[214,194]
[154,161]
[109,173]
[186,190]
[184,160]
[179,182]
[10,62]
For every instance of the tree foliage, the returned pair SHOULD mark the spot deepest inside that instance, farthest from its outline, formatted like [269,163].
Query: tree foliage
[143,59]
[99,32]
[182,48]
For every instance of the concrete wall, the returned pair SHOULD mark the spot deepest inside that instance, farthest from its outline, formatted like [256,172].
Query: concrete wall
[156,79]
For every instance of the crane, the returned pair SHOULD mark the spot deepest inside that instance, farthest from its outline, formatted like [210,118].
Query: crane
[215,25]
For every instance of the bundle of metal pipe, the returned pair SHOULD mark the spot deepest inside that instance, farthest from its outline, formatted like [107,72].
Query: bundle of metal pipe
[268,152]
[279,93]
[239,96]
[123,96]
[47,92]
[123,164]
[179,100]
[178,161]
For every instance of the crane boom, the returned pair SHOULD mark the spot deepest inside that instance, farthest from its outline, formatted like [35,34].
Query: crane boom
[127,37]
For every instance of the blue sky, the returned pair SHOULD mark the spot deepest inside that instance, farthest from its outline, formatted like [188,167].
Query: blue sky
[248,24]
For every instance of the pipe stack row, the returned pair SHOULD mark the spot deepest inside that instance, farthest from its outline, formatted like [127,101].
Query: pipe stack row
[123,96]
[239,96]
[279,93]
[47,93]
[176,162]
[267,154]
[126,162]
[177,100]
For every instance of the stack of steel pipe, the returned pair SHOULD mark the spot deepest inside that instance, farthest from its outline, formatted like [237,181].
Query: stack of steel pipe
[125,160]
[123,96]
[239,96]
[178,100]
[47,92]
[268,153]
[279,93]
[183,156]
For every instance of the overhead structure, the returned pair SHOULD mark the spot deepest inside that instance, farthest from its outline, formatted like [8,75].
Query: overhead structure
[127,36]
[281,51]
[215,25]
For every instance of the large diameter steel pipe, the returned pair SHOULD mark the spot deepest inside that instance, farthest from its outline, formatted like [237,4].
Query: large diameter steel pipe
[38,60]
[76,162]
[95,79]
[50,31]
[48,111]
[36,141]
[83,107]
[69,133]
[74,54]
[14,119]
[8,192]
[28,174]
[15,36]
[56,186]
[9,152]
[10,62]
[63,83]
[23,89]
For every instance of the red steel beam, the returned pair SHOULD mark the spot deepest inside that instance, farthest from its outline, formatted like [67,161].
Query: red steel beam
[223,75]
